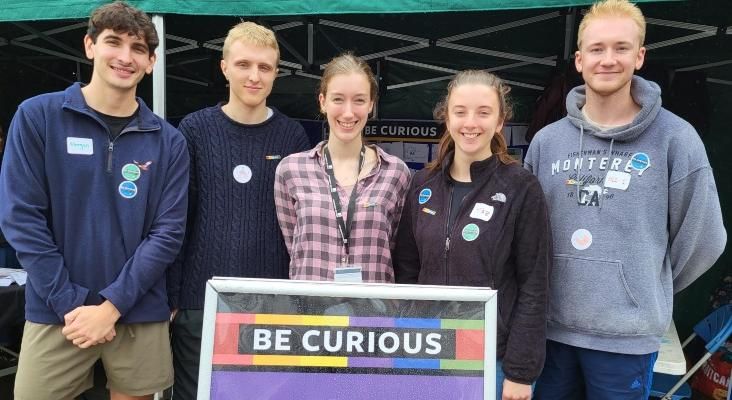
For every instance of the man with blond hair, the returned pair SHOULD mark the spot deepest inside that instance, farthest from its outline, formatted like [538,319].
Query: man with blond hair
[235,148]
[635,216]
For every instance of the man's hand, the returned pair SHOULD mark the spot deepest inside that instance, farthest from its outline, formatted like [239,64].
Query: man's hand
[87,326]
[515,391]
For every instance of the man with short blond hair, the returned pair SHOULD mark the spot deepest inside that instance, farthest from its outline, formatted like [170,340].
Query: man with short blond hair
[233,231]
[635,216]
[93,195]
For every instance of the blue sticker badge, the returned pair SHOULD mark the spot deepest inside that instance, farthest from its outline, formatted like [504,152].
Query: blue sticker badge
[640,162]
[424,195]
[127,189]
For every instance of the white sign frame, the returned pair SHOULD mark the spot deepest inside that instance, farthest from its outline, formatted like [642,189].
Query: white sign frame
[349,290]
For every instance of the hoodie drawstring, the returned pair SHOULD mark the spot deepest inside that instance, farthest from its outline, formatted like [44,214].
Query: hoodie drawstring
[604,178]
[578,165]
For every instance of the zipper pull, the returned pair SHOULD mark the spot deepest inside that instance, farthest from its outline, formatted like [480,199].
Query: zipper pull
[109,156]
[447,244]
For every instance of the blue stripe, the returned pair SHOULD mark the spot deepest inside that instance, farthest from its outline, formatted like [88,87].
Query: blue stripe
[419,363]
[649,378]
[417,323]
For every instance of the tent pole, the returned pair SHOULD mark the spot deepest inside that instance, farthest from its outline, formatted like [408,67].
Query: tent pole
[569,33]
[159,70]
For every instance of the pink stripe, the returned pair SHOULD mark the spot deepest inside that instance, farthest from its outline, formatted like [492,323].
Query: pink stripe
[234,318]
[232,359]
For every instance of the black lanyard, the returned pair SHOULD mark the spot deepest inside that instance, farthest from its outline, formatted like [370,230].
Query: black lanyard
[344,227]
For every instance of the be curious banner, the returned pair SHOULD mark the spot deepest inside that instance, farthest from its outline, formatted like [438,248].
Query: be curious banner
[322,341]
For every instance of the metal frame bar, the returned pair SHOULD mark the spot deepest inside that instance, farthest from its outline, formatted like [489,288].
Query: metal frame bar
[719,81]
[508,25]
[444,78]
[53,31]
[399,50]
[704,66]
[159,71]
[371,31]
[679,40]
[493,53]
[190,44]
[63,46]
[50,52]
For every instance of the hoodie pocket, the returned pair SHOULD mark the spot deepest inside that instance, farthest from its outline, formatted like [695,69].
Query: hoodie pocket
[592,295]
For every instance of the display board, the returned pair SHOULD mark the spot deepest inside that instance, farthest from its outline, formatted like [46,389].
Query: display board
[278,339]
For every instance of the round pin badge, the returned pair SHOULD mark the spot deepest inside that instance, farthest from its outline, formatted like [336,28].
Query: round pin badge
[424,195]
[242,173]
[640,162]
[581,239]
[471,232]
[131,172]
[127,189]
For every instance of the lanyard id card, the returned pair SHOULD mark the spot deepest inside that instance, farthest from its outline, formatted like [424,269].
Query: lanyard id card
[348,273]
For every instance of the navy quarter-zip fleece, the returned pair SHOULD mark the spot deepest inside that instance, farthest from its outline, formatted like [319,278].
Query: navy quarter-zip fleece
[511,253]
[84,229]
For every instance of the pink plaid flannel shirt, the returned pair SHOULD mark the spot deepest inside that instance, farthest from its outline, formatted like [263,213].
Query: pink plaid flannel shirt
[307,219]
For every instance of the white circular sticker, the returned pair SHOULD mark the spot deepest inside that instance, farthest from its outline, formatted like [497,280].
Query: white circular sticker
[242,173]
[581,239]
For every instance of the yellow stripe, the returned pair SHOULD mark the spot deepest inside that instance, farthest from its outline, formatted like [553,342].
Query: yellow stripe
[325,320]
[300,361]
[310,320]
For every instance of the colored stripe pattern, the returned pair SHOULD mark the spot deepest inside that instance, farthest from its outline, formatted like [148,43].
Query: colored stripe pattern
[469,342]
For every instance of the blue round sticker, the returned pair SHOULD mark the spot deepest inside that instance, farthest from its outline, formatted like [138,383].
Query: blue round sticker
[640,161]
[127,189]
[424,195]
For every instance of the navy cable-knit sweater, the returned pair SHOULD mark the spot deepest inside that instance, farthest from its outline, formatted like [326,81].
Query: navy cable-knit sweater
[232,227]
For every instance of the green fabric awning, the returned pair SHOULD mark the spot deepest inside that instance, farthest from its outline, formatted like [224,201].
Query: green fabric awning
[24,10]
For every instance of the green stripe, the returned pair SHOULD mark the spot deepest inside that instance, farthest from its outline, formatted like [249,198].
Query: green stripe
[462,364]
[462,324]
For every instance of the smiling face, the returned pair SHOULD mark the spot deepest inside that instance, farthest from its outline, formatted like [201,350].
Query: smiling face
[347,103]
[609,54]
[251,71]
[121,60]
[473,117]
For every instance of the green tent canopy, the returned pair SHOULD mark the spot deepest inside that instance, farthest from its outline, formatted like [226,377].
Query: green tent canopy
[24,10]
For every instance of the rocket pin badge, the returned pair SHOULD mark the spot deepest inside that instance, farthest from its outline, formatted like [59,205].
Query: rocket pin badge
[424,195]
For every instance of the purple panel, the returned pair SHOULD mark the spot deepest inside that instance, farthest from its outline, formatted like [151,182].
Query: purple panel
[370,362]
[371,322]
[235,385]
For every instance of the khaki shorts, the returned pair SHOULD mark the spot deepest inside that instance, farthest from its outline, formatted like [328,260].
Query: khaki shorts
[137,362]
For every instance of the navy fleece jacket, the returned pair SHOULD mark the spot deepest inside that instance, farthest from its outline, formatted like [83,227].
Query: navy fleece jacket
[92,218]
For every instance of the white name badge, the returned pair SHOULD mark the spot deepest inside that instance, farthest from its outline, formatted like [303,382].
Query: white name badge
[482,212]
[81,146]
[348,273]
[617,180]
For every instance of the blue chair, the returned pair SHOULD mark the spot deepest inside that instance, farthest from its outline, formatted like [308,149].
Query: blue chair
[714,331]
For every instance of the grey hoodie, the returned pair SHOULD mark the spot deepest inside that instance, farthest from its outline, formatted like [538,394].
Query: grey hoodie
[635,217]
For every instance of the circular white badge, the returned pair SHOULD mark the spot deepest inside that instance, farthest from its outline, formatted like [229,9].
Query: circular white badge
[581,239]
[242,173]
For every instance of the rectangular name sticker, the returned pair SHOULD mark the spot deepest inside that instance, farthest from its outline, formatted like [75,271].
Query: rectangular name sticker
[617,180]
[82,146]
[350,273]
